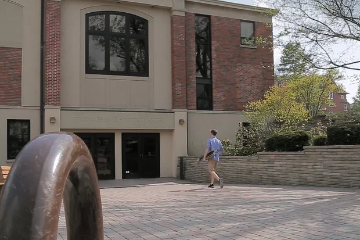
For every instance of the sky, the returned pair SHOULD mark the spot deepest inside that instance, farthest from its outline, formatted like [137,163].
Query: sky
[350,85]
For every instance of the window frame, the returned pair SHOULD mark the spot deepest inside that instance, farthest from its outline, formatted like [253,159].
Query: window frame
[331,95]
[107,34]
[9,121]
[345,107]
[241,37]
[342,96]
[202,80]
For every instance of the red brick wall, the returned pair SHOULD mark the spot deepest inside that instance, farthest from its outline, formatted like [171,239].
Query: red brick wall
[178,62]
[52,53]
[238,73]
[10,76]
[190,61]
[339,103]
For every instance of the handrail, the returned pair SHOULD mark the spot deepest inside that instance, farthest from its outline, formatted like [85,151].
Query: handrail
[49,169]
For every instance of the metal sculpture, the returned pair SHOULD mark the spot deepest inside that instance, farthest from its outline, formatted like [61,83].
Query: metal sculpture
[49,169]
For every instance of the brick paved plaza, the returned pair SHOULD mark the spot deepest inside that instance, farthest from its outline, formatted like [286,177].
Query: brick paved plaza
[172,209]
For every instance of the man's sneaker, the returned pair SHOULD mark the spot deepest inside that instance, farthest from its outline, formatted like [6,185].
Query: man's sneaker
[221,182]
[211,186]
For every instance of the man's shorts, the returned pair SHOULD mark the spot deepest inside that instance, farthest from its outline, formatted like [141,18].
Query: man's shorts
[212,165]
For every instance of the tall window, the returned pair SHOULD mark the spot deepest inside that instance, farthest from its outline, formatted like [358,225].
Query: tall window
[203,63]
[331,95]
[247,33]
[116,44]
[18,135]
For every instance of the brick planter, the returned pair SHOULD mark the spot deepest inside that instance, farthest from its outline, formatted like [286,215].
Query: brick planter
[325,166]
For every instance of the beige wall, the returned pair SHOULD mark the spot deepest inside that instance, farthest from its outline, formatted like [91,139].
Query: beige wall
[11,24]
[179,142]
[20,28]
[21,113]
[52,112]
[200,124]
[80,90]
[229,10]
[116,120]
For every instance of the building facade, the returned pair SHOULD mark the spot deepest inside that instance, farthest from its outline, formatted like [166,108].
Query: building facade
[339,102]
[141,82]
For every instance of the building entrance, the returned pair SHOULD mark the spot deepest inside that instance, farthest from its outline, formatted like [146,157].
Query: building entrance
[141,155]
[101,146]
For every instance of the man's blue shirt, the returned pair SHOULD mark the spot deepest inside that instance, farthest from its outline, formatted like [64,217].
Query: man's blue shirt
[214,144]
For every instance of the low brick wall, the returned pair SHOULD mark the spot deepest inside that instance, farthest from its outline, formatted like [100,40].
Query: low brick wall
[325,166]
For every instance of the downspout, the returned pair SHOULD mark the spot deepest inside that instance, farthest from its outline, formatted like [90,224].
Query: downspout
[42,69]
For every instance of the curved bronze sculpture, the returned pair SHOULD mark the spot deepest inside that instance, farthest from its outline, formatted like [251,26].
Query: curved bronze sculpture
[50,168]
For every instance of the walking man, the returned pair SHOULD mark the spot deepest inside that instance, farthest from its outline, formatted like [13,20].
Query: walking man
[213,144]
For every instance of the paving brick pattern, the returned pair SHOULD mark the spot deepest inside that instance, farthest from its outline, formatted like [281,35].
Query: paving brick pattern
[178,210]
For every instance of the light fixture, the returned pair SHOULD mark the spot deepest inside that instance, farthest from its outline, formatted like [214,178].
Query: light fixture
[181,121]
[52,120]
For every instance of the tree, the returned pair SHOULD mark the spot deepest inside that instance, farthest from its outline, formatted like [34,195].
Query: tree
[313,90]
[355,106]
[279,106]
[277,111]
[294,60]
[321,25]
[283,108]
[301,98]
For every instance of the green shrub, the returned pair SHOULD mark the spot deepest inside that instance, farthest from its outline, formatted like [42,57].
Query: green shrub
[320,140]
[287,141]
[344,134]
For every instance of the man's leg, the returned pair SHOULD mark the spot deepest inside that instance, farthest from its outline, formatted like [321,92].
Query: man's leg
[212,167]
[214,173]
[221,181]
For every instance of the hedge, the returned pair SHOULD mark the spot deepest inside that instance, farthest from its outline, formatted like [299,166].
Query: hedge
[320,140]
[343,134]
[288,141]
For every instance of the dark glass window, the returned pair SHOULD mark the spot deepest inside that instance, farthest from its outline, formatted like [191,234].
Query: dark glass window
[18,135]
[203,62]
[116,44]
[247,33]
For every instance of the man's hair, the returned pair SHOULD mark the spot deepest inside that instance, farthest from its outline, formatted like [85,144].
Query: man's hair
[213,132]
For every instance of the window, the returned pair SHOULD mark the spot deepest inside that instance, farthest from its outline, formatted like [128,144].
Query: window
[203,63]
[116,44]
[331,95]
[345,107]
[18,135]
[247,33]
[342,96]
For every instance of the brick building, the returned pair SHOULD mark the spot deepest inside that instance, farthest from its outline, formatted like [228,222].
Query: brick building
[141,82]
[340,103]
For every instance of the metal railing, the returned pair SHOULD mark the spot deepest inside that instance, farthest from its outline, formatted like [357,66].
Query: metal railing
[52,168]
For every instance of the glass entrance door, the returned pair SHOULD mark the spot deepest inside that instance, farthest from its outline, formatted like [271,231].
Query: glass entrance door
[104,155]
[101,147]
[131,155]
[141,155]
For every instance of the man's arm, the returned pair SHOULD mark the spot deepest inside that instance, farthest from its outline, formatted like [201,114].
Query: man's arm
[207,148]
[221,147]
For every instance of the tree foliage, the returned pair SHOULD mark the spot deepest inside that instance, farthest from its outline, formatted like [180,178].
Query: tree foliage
[294,61]
[279,106]
[321,25]
[355,106]
[313,90]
